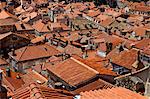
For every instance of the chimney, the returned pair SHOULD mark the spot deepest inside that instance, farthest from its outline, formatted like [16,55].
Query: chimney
[121,48]
[3,90]
[8,72]
[139,56]
[85,54]
[45,40]
[13,52]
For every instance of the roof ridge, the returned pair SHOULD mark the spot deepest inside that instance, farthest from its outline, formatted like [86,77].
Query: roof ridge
[5,35]
[20,35]
[22,53]
[84,65]
[43,26]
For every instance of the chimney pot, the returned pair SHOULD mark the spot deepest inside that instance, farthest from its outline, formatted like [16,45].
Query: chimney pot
[13,52]
[8,72]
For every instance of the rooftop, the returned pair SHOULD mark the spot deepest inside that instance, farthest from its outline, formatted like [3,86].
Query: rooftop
[34,91]
[35,52]
[71,70]
[113,93]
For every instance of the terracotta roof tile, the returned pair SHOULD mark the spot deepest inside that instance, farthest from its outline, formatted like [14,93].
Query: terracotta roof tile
[4,14]
[126,58]
[35,52]
[146,50]
[113,93]
[2,36]
[25,27]
[98,84]
[72,50]
[38,39]
[34,91]
[107,22]
[3,62]
[140,8]
[93,13]
[140,31]
[12,82]
[71,70]
[40,27]
[142,44]
[64,27]
[97,63]
[34,77]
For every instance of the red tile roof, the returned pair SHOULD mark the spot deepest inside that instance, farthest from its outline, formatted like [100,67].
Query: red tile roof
[40,1]
[56,25]
[3,62]
[38,39]
[107,22]
[2,36]
[4,14]
[113,93]
[93,13]
[27,27]
[98,64]
[125,58]
[34,77]
[140,8]
[142,44]
[146,50]
[34,91]
[40,27]
[12,83]
[54,59]
[140,31]
[71,70]
[98,84]
[72,50]
[64,27]
[35,52]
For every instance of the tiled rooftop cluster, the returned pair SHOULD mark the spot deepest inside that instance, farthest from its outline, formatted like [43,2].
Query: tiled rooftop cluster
[65,49]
